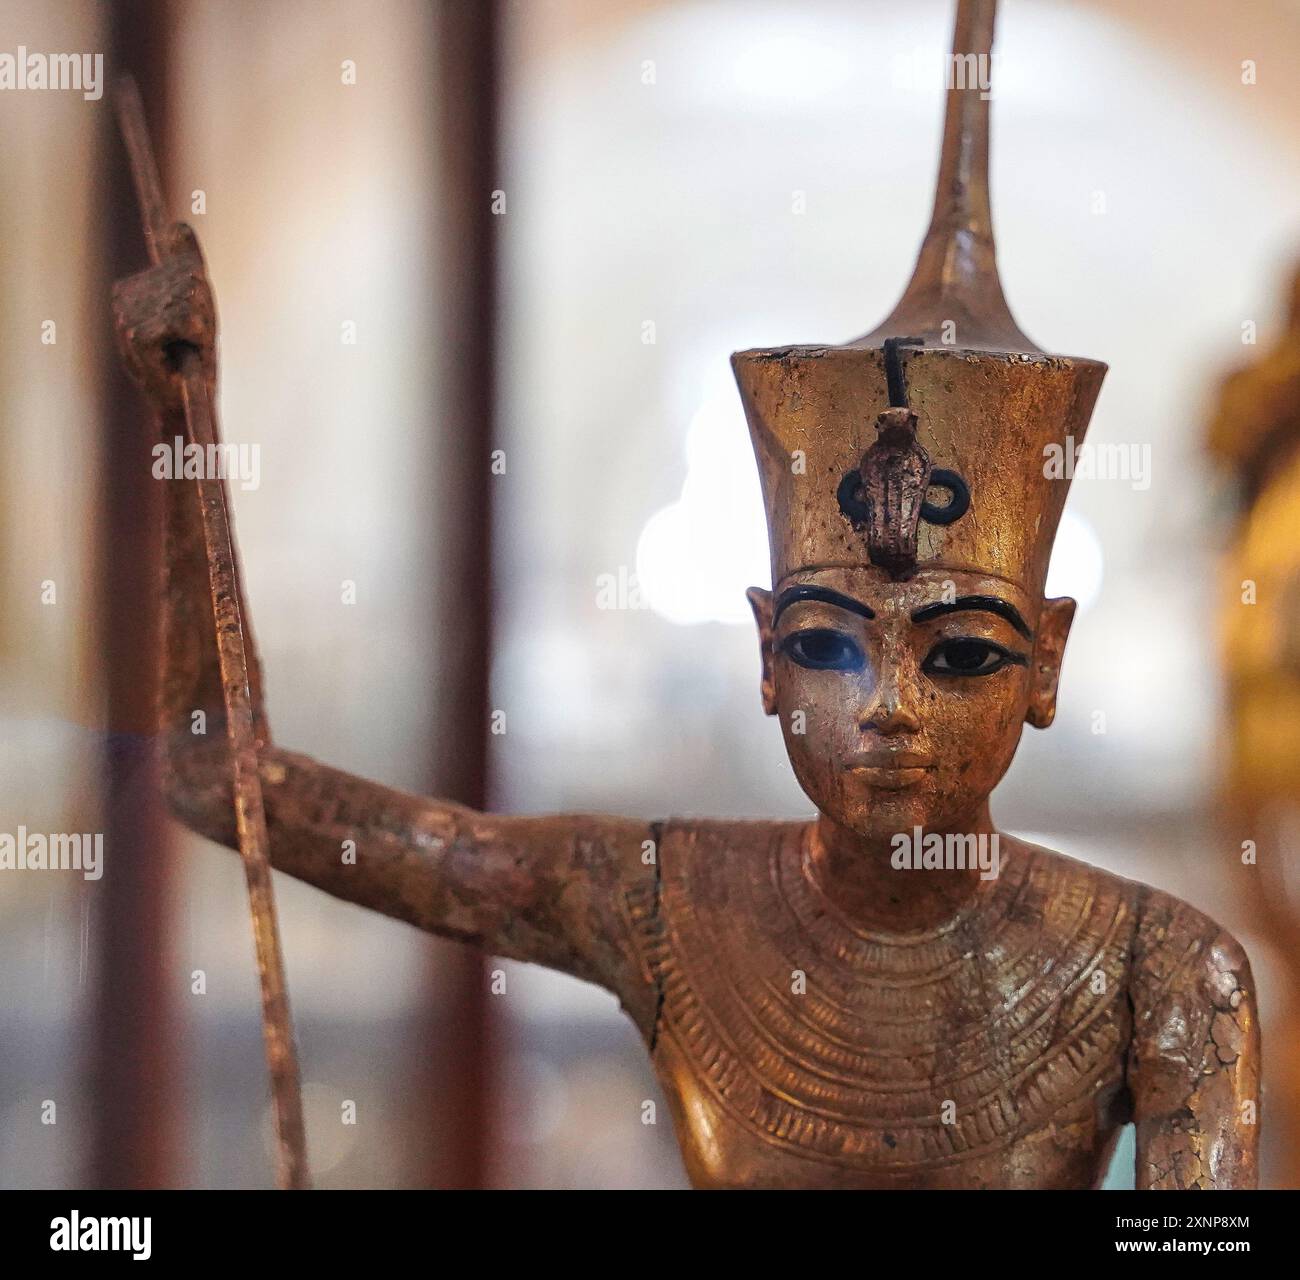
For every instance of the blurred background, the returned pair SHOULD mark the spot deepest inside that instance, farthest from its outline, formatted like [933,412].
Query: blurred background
[596,201]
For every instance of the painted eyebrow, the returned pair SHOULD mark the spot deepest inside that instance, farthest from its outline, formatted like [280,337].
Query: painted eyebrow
[989,604]
[792,595]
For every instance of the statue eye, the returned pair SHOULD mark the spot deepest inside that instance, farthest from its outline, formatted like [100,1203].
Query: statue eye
[821,649]
[968,657]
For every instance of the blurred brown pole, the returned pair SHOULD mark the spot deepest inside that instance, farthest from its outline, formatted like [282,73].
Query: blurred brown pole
[133,1056]
[468,85]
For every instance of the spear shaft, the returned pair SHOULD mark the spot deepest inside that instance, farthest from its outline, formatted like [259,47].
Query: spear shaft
[232,652]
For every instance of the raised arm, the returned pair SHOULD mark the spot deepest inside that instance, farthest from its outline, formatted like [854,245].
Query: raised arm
[548,890]
[1194,1059]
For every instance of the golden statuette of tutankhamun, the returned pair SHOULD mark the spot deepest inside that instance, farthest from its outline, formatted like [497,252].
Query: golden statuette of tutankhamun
[892,994]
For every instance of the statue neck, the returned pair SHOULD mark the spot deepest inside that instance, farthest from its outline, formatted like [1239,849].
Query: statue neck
[858,876]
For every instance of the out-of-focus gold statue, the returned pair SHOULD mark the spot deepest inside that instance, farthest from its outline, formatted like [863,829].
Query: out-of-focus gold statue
[1254,435]
[894,993]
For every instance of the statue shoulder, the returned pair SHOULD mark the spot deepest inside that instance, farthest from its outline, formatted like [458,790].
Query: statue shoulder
[1179,957]
[1193,1061]
[713,835]
[1179,950]
[631,856]
[1058,873]
[695,870]
[1168,934]
[716,859]
[1188,979]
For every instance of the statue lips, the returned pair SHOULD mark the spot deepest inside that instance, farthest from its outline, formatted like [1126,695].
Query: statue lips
[892,770]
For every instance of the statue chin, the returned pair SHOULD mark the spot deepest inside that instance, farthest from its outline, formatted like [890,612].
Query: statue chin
[876,810]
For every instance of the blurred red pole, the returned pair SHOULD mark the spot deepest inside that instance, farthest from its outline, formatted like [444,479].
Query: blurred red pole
[460,1057]
[133,1055]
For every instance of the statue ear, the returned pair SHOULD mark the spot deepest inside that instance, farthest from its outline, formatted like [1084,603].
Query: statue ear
[761,603]
[1054,621]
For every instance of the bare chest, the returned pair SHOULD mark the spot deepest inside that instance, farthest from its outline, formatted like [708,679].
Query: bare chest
[797,1051]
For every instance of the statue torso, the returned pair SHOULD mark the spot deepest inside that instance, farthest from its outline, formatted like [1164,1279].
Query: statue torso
[797,1050]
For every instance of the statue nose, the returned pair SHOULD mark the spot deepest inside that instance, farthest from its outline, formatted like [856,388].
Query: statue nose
[888,712]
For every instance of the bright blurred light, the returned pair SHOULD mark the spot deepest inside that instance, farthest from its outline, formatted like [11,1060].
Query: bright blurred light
[1077,562]
[330,1140]
[792,63]
[695,558]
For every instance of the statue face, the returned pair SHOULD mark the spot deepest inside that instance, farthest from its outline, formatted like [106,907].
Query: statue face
[902,702]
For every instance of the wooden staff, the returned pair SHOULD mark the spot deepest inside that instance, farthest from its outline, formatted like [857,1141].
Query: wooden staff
[250,815]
